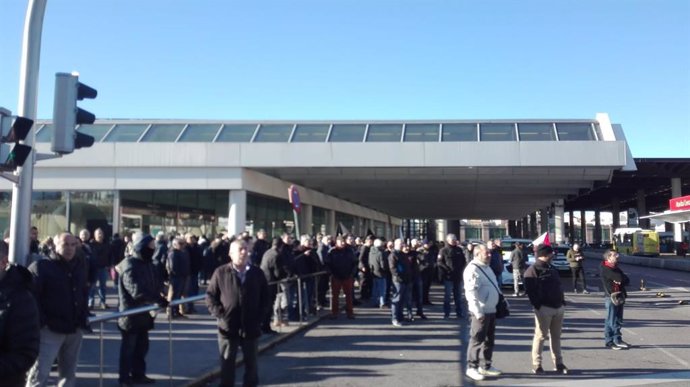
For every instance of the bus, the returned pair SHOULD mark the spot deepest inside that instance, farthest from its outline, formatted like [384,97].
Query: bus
[667,241]
[636,241]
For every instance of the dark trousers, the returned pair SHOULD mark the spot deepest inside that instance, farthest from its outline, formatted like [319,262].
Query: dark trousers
[272,293]
[578,272]
[481,344]
[365,286]
[228,354]
[427,277]
[133,349]
[322,289]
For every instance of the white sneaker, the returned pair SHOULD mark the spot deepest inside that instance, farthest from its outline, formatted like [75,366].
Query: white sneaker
[491,371]
[474,374]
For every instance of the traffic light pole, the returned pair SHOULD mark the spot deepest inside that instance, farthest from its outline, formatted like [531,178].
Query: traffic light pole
[28,94]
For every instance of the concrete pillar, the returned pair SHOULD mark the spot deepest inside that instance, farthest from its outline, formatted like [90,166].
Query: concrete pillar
[558,222]
[615,213]
[117,220]
[583,227]
[485,232]
[642,208]
[675,193]
[543,220]
[306,218]
[330,222]
[533,225]
[454,227]
[237,217]
[525,227]
[511,228]
[597,227]
[441,229]
[571,227]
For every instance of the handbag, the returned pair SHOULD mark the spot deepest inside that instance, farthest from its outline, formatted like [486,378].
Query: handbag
[502,307]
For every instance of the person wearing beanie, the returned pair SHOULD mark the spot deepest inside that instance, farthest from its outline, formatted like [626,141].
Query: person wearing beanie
[613,280]
[545,292]
[138,286]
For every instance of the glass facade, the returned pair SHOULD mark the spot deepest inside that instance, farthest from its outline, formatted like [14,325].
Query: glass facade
[271,214]
[199,133]
[125,133]
[497,132]
[273,133]
[575,132]
[310,133]
[347,133]
[237,133]
[459,132]
[536,132]
[318,221]
[421,133]
[384,133]
[163,133]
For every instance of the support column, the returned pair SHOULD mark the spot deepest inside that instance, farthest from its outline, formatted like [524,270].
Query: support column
[237,217]
[525,227]
[642,208]
[544,221]
[571,227]
[616,214]
[485,232]
[330,222]
[533,225]
[511,228]
[117,220]
[441,229]
[583,227]
[597,227]
[676,191]
[454,227]
[558,221]
[518,229]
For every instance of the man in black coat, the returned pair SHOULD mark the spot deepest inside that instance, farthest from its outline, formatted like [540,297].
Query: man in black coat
[451,264]
[238,297]
[272,272]
[19,322]
[341,263]
[139,285]
[61,290]
[613,280]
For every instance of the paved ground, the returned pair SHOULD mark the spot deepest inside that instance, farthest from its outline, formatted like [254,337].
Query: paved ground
[369,351]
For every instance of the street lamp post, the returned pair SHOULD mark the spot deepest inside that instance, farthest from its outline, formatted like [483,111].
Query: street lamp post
[28,93]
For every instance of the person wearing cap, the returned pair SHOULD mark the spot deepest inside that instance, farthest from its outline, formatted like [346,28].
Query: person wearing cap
[139,286]
[545,292]
[576,260]
[481,291]
[613,280]
[237,296]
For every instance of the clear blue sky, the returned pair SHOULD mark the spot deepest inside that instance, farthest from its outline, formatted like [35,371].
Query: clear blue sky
[370,59]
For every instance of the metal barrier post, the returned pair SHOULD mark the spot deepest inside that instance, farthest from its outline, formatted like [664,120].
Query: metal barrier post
[299,299]
[170,346]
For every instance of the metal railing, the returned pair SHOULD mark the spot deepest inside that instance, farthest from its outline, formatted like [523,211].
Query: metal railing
[103,318]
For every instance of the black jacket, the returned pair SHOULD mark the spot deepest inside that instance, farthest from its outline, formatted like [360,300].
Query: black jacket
[269,265]
[341,263]
[61,291]
[451,263]
[239,307]
[100,254]
[608,275]
[178,263]
[401,272]
[258,250]
[139,286]
[19,327]
[543,285]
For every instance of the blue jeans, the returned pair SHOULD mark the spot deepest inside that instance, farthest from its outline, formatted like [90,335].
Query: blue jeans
[454,287]
[398,300]
[378,292]
[613,322]
[101,277]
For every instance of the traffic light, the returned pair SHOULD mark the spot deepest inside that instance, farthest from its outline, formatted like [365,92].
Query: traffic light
[66,114]
[14,129]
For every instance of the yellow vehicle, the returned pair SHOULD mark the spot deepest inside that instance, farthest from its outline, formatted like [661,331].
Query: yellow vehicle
[636,241]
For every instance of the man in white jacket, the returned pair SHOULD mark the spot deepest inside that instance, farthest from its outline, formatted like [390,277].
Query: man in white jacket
[481,291]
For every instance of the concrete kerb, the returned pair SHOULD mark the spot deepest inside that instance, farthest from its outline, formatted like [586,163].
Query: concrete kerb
[670,263]
[208,377]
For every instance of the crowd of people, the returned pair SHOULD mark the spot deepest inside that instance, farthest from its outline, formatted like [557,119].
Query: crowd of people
[252,288]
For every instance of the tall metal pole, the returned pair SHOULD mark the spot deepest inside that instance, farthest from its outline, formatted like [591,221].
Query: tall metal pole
[28,95]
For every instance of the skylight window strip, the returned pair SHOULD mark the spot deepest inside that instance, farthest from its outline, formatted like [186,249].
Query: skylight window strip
[220,129]
[144,133]
[256,131]
[292,133]
[181,133]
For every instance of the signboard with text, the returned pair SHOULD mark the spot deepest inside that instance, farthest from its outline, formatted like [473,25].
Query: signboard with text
[681,203]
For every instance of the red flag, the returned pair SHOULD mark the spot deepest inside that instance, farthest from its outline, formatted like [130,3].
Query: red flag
[542,240]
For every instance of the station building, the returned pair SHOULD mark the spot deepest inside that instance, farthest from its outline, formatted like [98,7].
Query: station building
[360,176]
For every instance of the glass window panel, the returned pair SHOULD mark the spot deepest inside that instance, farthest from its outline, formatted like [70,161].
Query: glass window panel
[200,133]
[163,133]
[347,133]
[536,132]
[45,134]
[384,133]
[459,132]
[421,133]
[237,133]
[575,131]
[497,132]
[125,133]
[273,133]
[310,133]
[97,131]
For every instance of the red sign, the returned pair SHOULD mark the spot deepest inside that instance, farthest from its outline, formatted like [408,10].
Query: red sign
[293,196]
[681,203]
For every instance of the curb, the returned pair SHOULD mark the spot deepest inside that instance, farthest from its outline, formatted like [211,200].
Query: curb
[208,377]
[677,264]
